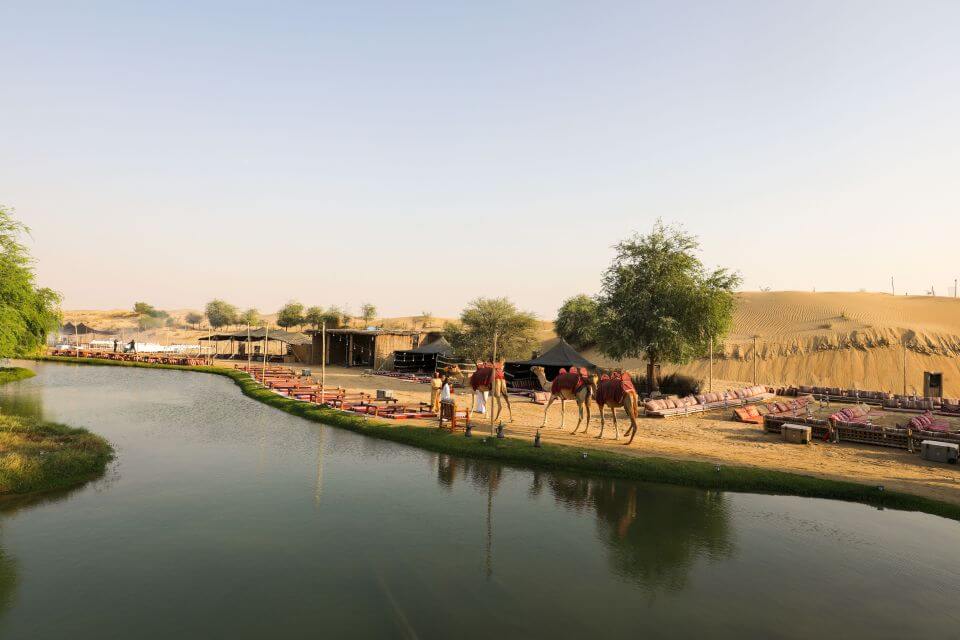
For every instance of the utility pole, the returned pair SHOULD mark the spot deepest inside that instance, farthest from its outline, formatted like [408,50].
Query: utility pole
[710,386]
[323,361]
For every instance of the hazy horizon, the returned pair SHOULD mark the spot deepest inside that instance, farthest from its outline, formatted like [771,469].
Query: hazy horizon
[417,156]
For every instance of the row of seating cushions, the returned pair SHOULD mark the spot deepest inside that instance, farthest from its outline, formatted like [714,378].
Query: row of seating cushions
[855,413]
[669,403]
[847,393]
[925,422]
[704,398]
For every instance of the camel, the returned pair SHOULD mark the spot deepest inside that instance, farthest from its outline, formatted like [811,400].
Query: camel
[482,382]
[580,392]
[614,392]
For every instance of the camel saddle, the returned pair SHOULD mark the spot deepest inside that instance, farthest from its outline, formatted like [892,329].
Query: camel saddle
[483,376]
[572,380]
[611,390]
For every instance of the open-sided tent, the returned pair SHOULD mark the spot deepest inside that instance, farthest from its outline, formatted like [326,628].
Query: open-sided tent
[70,329]
[559,356]
[423,359]
[284,343]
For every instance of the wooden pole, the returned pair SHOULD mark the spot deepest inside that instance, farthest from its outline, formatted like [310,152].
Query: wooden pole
[903,343]
[493,382]
[710,386]
[249,357]
[266,344]
[323,361]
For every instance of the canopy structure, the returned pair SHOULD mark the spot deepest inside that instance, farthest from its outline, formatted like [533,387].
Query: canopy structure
[70,329]
[423,359]
[559,356]
[286,345]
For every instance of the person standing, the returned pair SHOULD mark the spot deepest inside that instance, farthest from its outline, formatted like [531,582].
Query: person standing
[436,386]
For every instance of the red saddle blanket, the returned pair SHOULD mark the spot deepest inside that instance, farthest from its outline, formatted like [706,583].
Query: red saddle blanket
[612,390]
[483,376]
[567,382]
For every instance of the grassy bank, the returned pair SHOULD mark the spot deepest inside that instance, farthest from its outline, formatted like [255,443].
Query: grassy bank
[12,374]
[572,459]
[38,456]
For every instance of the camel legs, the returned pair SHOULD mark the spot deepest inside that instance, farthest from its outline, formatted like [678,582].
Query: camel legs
[506,396]
[547,410]
[602,422]
[580,417]
[630,406]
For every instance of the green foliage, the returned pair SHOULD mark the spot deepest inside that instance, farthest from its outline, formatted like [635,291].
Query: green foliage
[27,312]
[680,384]
[291,315]
[250,318]
[221,314]
[193,319]
[149,322]
[13,374]
[41,456]
[368,312]
[335,317]
[486,319]
[577,321]
[659,302]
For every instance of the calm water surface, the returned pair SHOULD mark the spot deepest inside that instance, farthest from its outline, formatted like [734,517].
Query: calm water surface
[224,518]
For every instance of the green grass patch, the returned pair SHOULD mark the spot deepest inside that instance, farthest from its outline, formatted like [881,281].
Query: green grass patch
[12,374]
[571,459]
[37,456]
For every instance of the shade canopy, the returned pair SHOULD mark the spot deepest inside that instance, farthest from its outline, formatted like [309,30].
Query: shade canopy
[559,355]
[70,329]
[258,334]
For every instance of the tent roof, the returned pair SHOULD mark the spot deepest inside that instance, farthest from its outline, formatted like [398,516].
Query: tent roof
[83,329]
[259,333]
[440,345]
[559,355]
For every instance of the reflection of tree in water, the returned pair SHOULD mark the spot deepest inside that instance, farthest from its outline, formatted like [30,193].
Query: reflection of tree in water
[8,579]
[654,533]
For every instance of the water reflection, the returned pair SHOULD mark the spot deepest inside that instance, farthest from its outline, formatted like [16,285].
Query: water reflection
[653,535]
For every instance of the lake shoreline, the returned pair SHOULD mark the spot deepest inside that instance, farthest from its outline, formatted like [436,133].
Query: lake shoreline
[583,460]
[39,457]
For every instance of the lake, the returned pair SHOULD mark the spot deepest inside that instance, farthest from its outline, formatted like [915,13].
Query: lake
[222,517]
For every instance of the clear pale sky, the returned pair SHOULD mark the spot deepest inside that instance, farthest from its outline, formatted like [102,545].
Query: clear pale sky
[417,155]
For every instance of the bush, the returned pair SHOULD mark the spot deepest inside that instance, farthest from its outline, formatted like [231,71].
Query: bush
[679,384]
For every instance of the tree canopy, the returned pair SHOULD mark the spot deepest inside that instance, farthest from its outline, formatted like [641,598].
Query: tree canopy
[221,314]
[291,315]
[659,302]
[368,312]
[485,319]
[193,318]
[28,313]
[577,321]
[250,318]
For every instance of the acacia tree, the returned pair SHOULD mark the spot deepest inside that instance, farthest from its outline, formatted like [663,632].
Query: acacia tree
[221,314]
[250,318]
[488,320]
[577,321]
[291,315]
[368,312]
[27,312]
[194,319]
[659,302]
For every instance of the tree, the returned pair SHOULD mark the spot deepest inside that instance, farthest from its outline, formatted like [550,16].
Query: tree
[194,319]
[486,320]
[659,302]
[144,309]
[250,318]
[577,321]
[425,318]
[336,317]
[314,316]
[291,315]
[27,312]
[368,312]
[221,314]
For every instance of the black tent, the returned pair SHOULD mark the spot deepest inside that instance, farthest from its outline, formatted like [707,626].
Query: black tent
[559,356]
[423,359]
[70,329]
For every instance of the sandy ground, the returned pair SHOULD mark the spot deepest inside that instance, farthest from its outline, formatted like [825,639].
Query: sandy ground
[712,437]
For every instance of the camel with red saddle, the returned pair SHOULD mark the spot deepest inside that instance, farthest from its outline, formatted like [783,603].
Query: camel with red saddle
[486,379]
[614,391]
[568,385]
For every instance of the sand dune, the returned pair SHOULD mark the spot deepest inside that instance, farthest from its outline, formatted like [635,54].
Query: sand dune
[843,339]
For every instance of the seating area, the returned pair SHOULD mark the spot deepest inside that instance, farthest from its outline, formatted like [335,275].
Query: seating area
[284,381]
[666,407]
[152,358]
[755,413]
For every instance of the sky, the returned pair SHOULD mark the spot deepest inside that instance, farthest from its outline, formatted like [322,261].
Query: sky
[417,155]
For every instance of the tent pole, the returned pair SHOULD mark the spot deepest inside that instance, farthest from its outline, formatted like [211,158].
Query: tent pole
[323,361]
[247,347]
[266,344]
